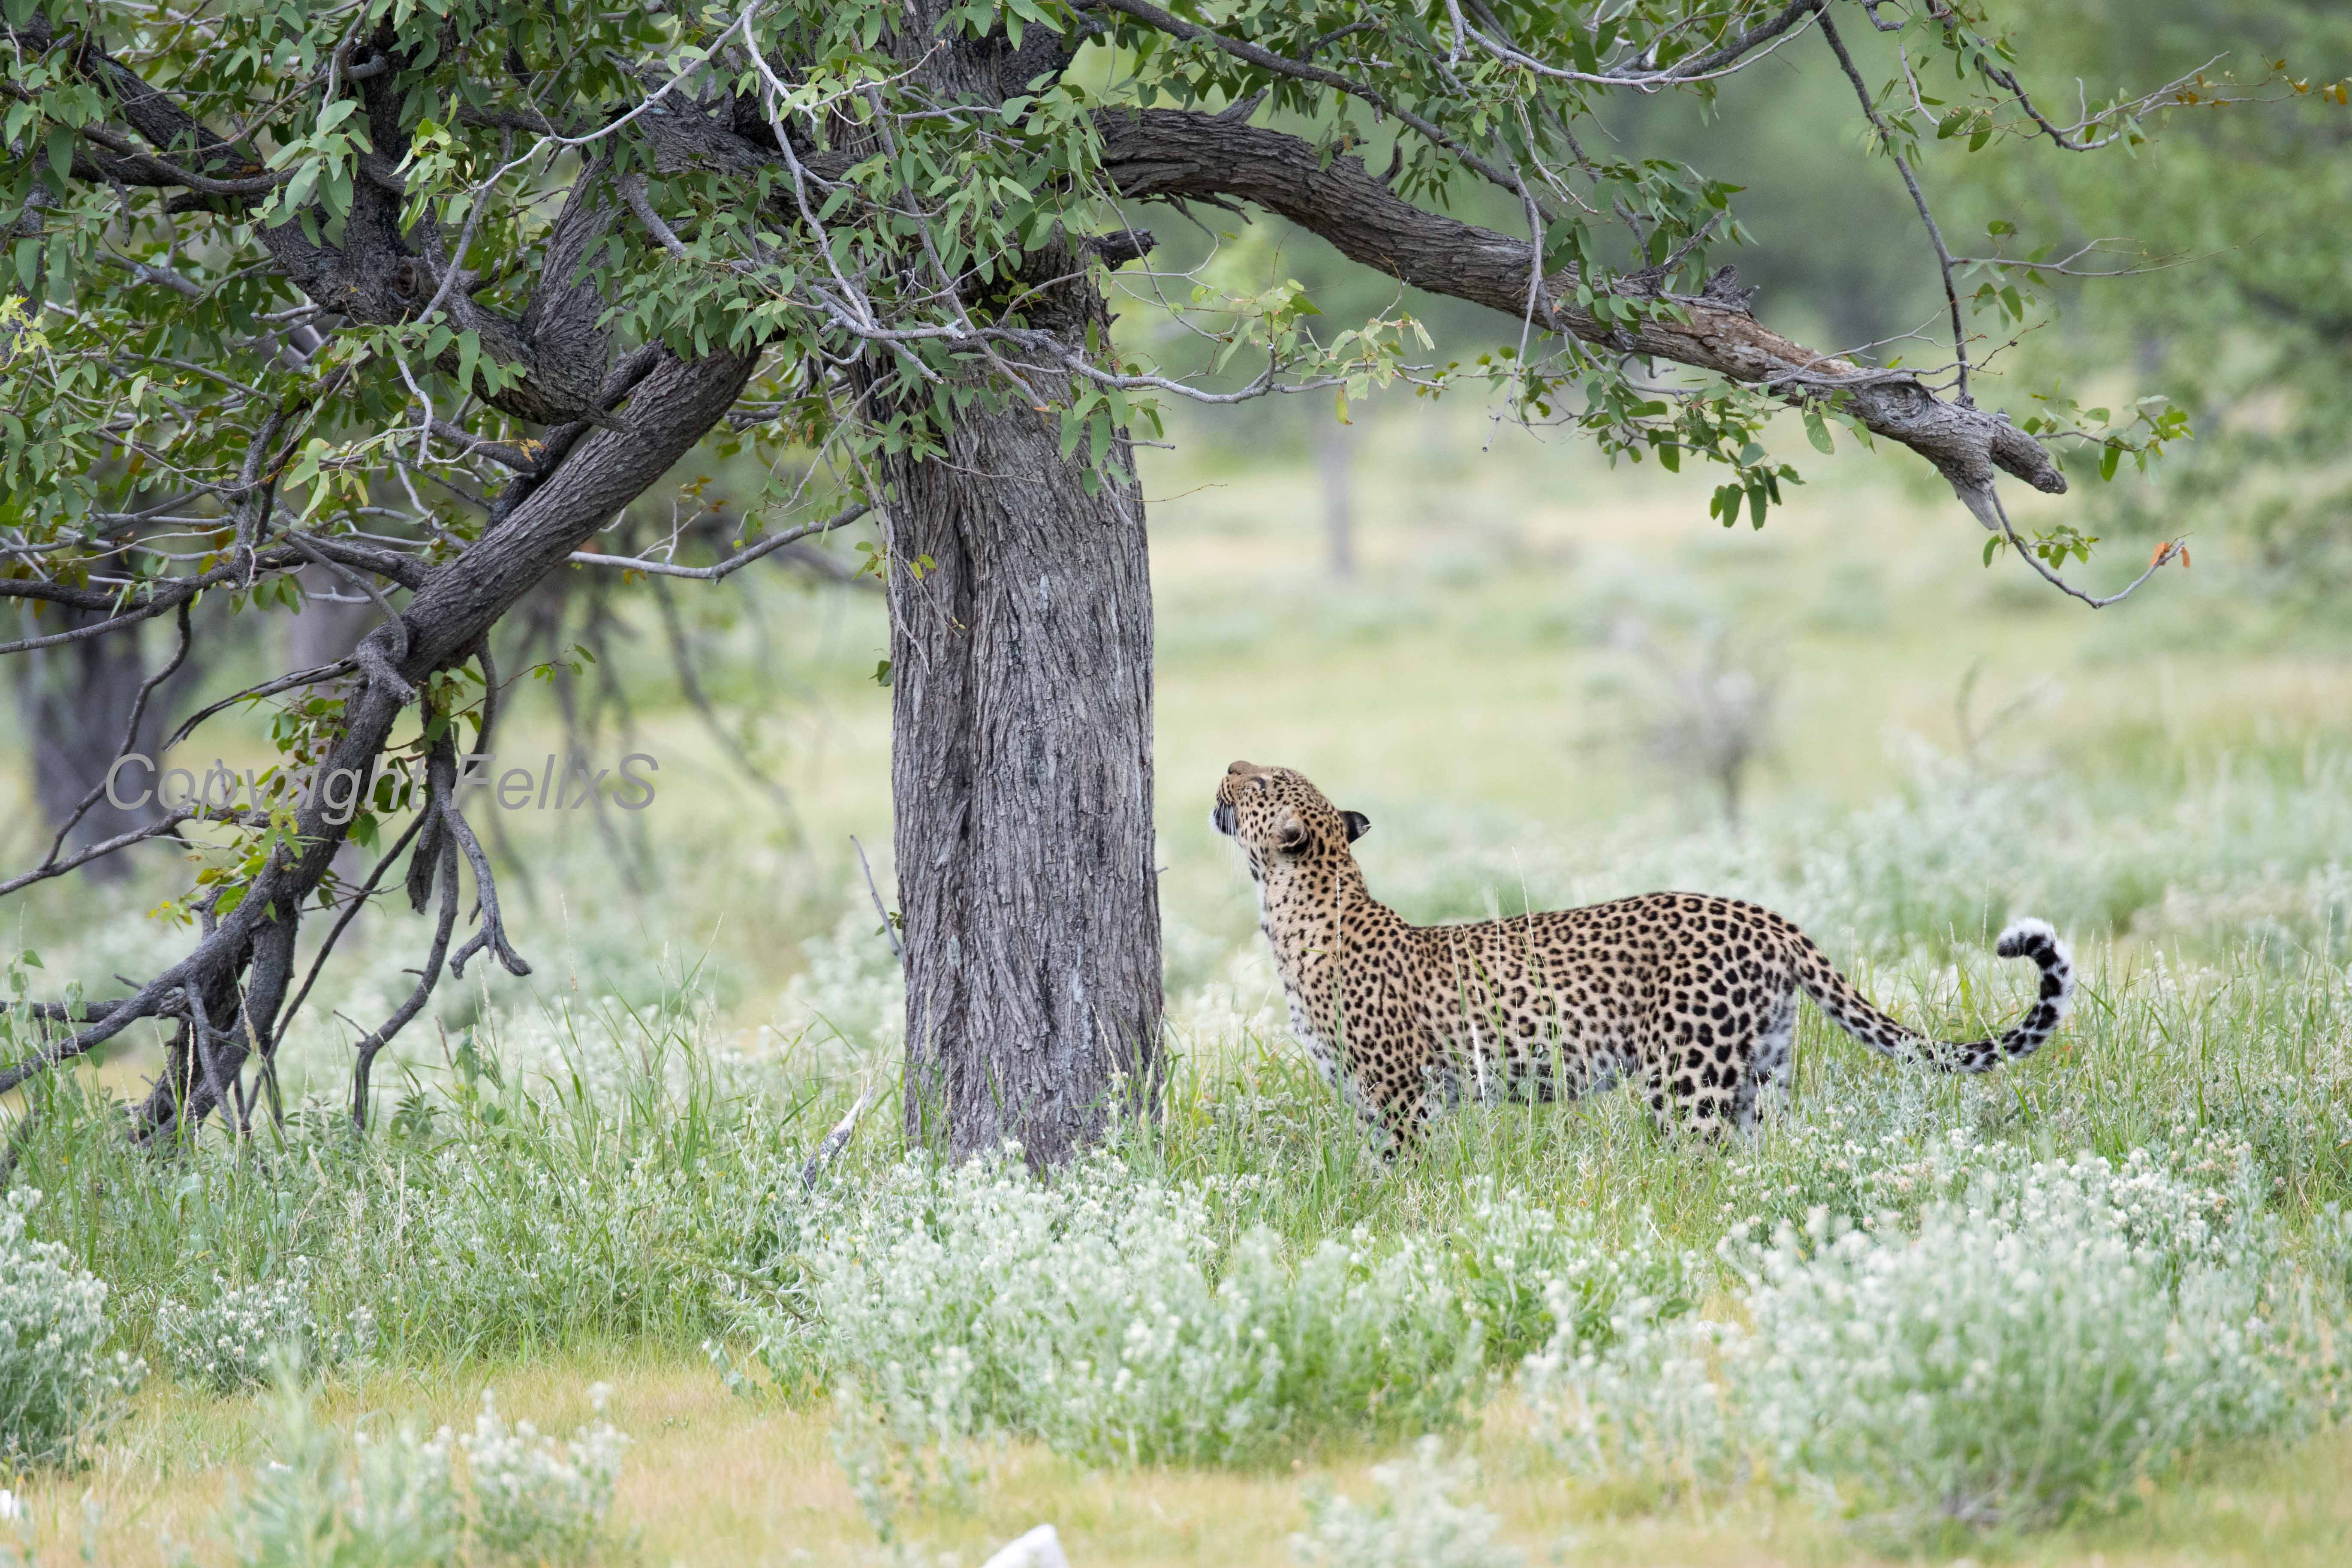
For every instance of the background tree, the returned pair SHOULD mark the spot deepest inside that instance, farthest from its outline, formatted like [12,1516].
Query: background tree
[2242,312]
[422,295]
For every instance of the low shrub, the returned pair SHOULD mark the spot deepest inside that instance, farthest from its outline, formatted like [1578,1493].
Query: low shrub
[399,1509]
[2064,1331]
[234,1340]
[2047,1335]
[1100,1314]
[1415,1522]
[536,1496]
[528,1499]
[1640,1403]
[57,1389]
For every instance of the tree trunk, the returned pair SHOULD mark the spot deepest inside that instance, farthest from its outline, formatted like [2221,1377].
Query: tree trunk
[1021,766]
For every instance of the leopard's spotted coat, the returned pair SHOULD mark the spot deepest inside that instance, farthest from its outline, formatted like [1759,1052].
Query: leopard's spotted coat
[1693,998]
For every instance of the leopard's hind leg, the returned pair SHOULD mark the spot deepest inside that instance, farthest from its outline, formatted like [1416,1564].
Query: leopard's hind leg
[1692,1084]
[1764,1088]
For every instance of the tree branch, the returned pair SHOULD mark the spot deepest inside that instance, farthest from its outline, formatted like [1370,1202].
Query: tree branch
[1160,21]
[1174,153]
[733,563]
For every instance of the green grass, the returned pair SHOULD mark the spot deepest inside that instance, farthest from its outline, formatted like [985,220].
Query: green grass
[591,1174]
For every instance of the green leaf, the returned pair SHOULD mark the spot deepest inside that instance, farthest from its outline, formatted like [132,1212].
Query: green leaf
[1817,430]
[2109,455]
[469,348]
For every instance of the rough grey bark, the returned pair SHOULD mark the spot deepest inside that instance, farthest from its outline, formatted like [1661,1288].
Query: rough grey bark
[1021,754]
[1020,767]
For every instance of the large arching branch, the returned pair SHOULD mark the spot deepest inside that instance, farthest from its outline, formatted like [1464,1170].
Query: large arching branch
[1174,153]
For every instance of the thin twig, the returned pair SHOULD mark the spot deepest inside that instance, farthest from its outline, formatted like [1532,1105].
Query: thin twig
[898,950]
[1943,262]
[733,563]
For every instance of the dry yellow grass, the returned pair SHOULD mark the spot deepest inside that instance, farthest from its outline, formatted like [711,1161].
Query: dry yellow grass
[715,1481]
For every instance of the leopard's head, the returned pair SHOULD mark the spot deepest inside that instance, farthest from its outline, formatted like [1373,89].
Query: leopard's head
[1279,819]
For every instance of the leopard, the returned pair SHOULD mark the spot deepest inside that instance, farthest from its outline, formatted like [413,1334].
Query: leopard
[1691,996]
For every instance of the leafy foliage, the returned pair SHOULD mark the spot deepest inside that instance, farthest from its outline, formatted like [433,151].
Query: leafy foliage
[2244,310]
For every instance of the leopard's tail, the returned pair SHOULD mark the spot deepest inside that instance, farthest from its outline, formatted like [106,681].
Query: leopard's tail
[1853,1013]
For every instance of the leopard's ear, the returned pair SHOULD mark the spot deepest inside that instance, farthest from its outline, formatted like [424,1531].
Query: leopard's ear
[1291,836]
[1357,824]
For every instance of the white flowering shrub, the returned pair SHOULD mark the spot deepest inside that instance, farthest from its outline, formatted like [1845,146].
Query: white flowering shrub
[2066,1330]
[1529,1272]
[398,1507]
[1102,1314]
[406,1509]
[237,1339]
[1639,1402]
[396,1503]
[536,1496]
[1415,1522]
[2047,1335]
[59,1389]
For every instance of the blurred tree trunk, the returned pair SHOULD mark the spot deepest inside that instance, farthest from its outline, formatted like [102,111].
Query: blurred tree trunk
[73,702]
[1021,765]
[324,630]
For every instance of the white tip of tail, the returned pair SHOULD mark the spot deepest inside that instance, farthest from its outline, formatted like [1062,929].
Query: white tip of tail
[2012,941]
[2040,941]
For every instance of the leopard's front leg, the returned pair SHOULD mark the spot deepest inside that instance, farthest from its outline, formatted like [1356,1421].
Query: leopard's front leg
[1398,1112]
